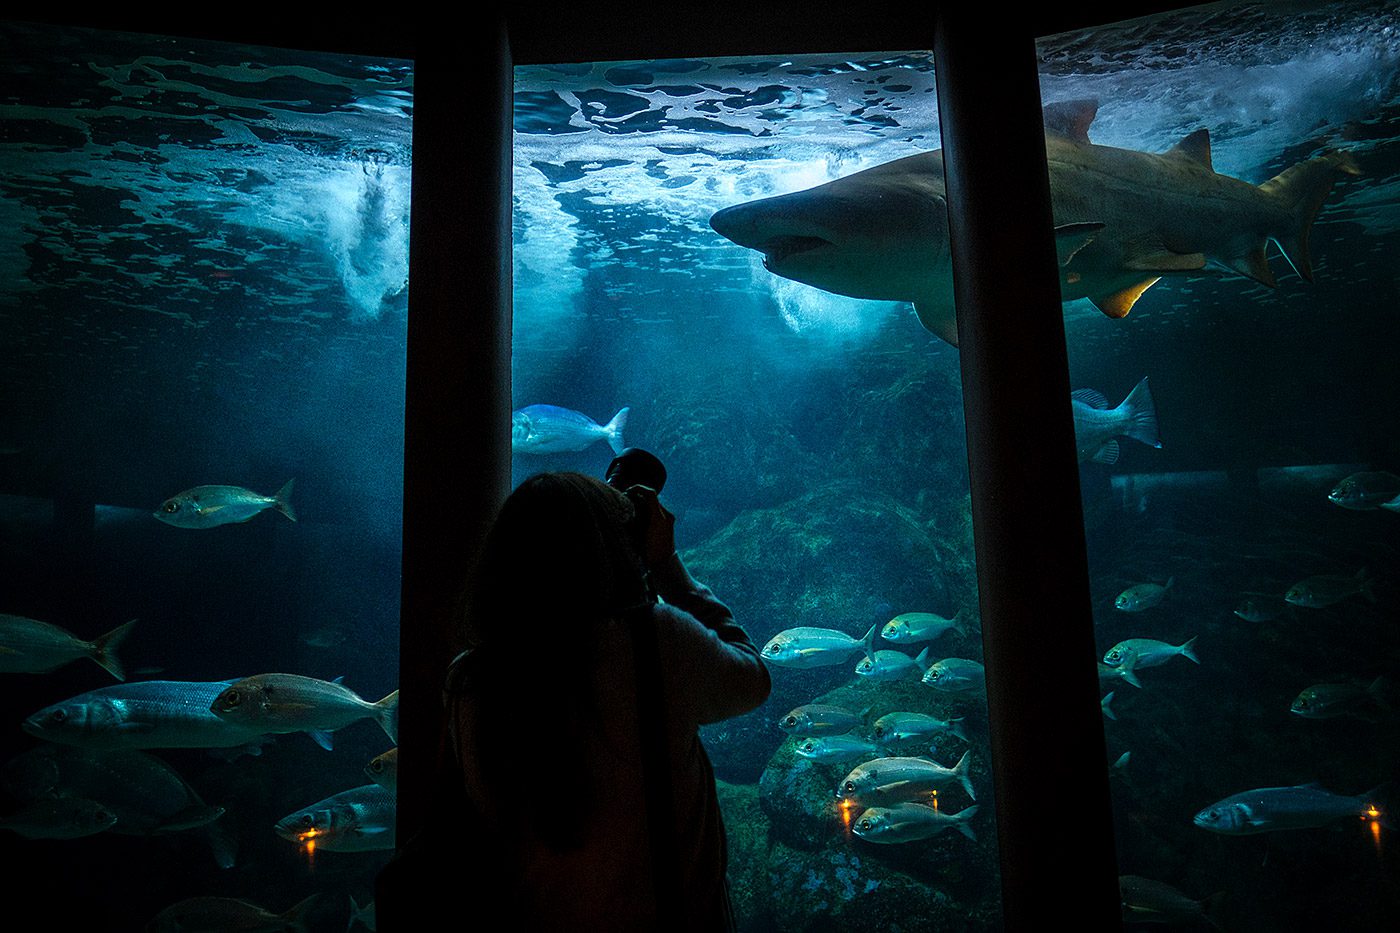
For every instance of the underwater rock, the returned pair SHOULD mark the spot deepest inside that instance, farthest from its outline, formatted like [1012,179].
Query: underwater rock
[747,835]
[843,557]
[844,888]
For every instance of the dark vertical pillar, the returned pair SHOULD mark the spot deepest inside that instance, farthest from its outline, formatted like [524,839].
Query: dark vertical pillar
[1051,783]
[457,454]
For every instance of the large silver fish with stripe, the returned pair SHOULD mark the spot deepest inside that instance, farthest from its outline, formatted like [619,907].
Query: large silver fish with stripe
[281,703]
[911,822]
[806,646]
[886,781]
[1123,220]
[145,714]
[1267,809]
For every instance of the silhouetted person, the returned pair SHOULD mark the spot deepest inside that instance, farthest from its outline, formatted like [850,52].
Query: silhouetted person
[577,688]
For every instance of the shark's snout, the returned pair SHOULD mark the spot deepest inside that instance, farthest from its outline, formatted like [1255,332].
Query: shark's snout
[755,227]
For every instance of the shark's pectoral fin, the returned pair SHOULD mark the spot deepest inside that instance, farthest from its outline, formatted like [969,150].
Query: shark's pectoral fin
[1071,238]
[1119,303]
[938,320]
[1255,264]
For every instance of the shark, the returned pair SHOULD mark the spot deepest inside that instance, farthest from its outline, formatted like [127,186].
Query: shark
[1124,219]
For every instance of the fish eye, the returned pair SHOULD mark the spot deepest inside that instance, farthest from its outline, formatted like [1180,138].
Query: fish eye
[865,824]
[232,698]
[170,505]
[59,716]
[376,766]
[307,820]
[850,787]
[1211,815]
[809,745]
[790,721]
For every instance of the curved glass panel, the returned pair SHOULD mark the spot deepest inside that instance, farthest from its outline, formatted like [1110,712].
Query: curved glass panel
[203,261]
[1242,553]
[814,442]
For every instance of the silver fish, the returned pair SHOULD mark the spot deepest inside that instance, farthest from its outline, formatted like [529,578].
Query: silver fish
[956,675]
[384,770]
[885,781]
[1123,671]
[892,665]
[1327,701]
[1138,653]
[1142,596]
[145,714]
[896,727]
[280,703]
[549,429]
[818,719]
[805,647]
[920,626]
[230,915]
[1147,901]
[1363,491]
[144,793]
[1096,426]
[210,506]
[357,820]
[61,818]
[1260,607]
[33,647]
[1267,809]
[836,747]
[911,822]
[1327,590]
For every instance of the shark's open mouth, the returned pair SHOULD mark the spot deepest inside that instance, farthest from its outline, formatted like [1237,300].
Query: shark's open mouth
[779,248]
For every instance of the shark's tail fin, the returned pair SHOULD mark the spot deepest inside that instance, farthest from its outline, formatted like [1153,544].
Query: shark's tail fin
[1304,188]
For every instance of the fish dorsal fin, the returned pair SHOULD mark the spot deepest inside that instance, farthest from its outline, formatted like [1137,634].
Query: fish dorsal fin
[1091,397]
[1070,118]
[1195,147]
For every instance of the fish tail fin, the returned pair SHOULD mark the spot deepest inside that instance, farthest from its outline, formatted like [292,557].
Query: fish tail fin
[956,728]
[222,844]
[1365,581]
[961,770]
[1107,709]
[1189,649]
[295,917]
[282,500]
[963,817]
[867,644]
[105,649]
[1141,415]
[958,625]
[361,915]
[613,429]
[386,713]
[1303,189]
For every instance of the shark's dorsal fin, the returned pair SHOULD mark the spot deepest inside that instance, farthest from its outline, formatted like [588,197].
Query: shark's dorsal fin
[1091,397]
[1070,118]
[1195,147]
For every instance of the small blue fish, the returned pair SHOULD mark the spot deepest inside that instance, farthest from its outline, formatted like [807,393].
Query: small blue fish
[210,506]
[549,429]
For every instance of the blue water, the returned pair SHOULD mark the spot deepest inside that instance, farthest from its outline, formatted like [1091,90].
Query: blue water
[203,251]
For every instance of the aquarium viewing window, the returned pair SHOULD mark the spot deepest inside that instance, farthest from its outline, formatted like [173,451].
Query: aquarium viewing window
[203,290]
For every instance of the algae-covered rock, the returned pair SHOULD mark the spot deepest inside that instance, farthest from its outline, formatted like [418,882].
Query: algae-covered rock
[841,557]
[746,830]
[850,888]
